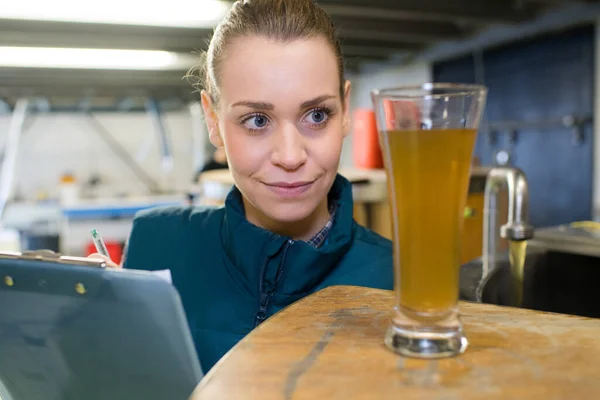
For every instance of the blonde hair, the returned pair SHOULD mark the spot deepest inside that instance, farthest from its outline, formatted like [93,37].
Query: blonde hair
[280,20]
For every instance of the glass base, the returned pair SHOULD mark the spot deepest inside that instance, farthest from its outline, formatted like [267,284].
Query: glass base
[415,339]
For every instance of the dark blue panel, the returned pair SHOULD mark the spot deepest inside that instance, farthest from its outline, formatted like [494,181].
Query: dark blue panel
[112,212]
[542,79]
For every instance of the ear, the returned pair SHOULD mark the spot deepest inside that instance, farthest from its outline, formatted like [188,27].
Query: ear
[212,120]
[346,104]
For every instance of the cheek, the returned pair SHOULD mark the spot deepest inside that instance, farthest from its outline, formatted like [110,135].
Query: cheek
[327,150]
[244,154]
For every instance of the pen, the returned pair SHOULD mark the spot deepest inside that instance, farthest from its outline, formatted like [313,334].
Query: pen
[99,243]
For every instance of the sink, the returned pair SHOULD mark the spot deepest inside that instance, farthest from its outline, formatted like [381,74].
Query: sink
[554,281]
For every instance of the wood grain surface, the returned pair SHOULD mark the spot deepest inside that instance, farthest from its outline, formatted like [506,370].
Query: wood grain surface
[330,346]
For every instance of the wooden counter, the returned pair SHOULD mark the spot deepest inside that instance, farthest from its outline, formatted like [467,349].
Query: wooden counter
[330,346]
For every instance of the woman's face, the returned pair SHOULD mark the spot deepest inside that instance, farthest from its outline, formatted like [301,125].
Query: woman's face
[282,123]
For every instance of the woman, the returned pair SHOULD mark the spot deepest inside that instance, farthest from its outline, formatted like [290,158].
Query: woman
[275,99]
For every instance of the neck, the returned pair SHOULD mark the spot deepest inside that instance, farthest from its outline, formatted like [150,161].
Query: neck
[298,230]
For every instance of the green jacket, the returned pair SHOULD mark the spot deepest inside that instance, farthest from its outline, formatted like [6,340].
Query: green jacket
[231,274]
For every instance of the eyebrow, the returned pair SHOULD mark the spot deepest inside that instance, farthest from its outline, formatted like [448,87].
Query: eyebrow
[259,105]
[316,101]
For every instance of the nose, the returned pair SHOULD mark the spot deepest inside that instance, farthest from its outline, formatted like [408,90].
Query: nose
[289,151]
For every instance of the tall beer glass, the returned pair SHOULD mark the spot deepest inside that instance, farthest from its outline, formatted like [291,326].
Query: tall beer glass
[427,135]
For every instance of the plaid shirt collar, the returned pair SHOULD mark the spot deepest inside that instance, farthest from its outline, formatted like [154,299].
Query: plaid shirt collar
[319,239]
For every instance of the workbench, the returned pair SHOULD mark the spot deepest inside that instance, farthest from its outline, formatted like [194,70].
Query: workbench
[112,217]
[330,346]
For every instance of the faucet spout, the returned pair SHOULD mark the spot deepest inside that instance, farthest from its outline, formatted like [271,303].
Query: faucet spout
[516,227]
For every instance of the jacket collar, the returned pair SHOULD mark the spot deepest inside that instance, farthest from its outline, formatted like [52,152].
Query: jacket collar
[249,247]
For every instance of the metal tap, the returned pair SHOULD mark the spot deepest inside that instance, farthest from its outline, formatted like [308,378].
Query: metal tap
[516,228]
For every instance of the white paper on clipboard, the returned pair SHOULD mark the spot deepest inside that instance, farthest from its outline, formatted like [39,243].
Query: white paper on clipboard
[163,274]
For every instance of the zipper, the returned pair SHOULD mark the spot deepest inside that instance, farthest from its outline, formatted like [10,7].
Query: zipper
[265,296]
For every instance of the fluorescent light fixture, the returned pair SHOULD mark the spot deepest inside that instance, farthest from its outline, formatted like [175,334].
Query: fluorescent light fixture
[48,57]
[174,13]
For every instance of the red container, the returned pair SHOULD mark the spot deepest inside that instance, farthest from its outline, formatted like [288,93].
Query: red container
[401,114]
[115,250]
[365,141]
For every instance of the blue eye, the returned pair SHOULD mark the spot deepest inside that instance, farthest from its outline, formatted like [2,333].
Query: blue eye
[255,122]
[318,116]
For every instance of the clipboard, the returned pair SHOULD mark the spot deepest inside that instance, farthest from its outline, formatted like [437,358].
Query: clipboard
[72,329]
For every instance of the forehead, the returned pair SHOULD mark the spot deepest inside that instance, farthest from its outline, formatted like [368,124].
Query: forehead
[283,73]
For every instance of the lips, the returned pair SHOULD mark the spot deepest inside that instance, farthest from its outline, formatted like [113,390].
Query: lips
[290,189]
[289,185]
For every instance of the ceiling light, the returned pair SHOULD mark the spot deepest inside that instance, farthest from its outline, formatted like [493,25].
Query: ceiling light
[48,57]
[174,13]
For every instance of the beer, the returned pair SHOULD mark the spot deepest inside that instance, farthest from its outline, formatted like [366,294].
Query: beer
[516,256]
[428,179]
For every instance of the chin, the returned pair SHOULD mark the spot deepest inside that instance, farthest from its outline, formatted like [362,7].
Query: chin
[289,212]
